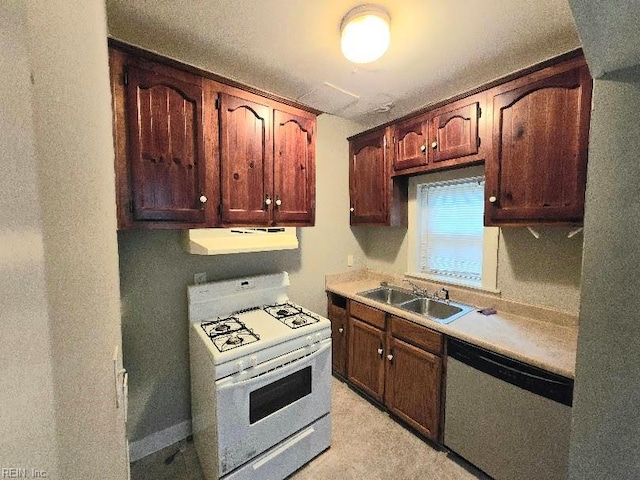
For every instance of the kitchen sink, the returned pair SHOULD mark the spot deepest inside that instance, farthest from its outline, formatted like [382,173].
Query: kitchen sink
[441,312]
[390,295]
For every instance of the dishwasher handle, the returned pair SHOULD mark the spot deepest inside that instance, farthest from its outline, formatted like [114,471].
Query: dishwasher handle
[533,379]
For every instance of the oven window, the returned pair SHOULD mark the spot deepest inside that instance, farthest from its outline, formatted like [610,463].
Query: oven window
[271,398]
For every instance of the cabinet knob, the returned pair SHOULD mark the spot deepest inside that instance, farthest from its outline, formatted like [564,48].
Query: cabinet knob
[492,199]
[341,330]
[203,199]
[423,148]
[267,200]
[434,144]
[390,357]
[278,201]
[380,352]
[352,209]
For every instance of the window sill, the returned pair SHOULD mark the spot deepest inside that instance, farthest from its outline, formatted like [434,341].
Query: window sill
[451,281]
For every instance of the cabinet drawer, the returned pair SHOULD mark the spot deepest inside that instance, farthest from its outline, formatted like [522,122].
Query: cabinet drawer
[367,314]
[417,335]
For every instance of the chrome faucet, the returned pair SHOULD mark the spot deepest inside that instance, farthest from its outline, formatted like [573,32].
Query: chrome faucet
[416,289]
[442,294]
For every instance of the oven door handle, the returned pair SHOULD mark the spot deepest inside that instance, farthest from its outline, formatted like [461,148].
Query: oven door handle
[276,367]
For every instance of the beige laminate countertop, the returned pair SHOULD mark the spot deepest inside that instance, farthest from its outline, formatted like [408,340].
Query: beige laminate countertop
[548,345]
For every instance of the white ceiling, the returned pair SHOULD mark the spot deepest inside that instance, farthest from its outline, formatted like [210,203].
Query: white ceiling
[292,47]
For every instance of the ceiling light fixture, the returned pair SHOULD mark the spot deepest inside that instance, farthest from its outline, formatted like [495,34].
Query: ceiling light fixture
[365,33]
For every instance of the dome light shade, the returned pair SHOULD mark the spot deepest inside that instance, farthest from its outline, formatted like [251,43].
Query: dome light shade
[365,33]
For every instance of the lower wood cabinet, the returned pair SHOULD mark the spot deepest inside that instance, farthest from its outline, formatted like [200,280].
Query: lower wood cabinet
[412,386]
[337,313]
[397,363]
[366,358]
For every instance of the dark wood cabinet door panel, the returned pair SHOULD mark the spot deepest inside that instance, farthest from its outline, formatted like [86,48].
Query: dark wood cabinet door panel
[412,388]
[338,318]
[166,147]
[454,133]
[365,364]
[294,169]
[410,143]
[541,133]
[246,161]
[369,180]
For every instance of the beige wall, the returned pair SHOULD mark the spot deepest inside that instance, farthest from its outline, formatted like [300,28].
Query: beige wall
[605,438]
[155,271]
[27,413]
[544,271]
[74,158]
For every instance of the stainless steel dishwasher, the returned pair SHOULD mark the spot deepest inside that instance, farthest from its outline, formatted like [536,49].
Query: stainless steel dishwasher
[510,419]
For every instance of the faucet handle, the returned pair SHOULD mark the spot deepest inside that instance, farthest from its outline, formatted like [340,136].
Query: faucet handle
[442,294]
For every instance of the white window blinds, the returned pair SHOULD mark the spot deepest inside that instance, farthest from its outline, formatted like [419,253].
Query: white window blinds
[451,229]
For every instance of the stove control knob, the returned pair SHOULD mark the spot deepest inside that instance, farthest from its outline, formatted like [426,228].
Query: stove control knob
[318,337]
[310,339]
[253,360]
[240,365]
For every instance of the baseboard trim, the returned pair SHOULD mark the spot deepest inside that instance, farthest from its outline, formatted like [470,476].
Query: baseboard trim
[159,440]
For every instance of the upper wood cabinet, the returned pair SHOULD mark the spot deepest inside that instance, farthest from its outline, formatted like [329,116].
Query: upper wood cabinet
[376,199]
[453,131]
[193,152]
[294,185]
[165,158]
[267,163]
[246,161]
[537,173]
[167,154]
[444,137]
[410,143]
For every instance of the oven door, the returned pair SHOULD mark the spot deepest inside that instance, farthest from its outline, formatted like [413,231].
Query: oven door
[261,406]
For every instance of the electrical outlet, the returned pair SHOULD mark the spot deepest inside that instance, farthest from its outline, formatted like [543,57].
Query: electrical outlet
[199,278]
[349,260]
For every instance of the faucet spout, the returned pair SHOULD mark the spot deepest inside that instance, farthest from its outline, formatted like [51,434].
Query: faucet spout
[416,289]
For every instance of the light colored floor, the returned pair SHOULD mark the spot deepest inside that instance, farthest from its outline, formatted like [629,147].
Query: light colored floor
[366,444]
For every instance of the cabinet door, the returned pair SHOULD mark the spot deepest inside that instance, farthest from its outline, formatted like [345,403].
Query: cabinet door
[294,169]
[368,179]
[338,318]
[538,169]
[453,131]
[413,386]
[365,364]
[246,161]
[166,147]
[410,143]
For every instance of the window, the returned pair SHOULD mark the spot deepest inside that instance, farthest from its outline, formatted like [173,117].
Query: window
[449,242]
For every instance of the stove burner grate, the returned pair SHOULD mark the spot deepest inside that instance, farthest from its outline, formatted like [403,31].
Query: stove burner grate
[291,315]
[228,332]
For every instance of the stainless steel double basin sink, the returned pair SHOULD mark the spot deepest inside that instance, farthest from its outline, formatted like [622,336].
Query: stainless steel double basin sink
[441,311]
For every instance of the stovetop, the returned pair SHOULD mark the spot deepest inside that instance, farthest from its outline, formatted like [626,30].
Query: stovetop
[247,321]
[255,328]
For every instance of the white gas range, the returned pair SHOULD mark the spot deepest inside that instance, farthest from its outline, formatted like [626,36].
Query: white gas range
[260,379]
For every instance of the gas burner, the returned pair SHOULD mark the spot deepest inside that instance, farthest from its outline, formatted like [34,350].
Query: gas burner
[291,315]
[222,326]
[282,310]
[235,339]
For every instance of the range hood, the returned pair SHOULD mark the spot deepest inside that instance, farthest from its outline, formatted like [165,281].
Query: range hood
[219,241]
